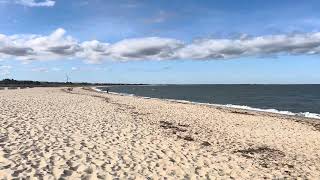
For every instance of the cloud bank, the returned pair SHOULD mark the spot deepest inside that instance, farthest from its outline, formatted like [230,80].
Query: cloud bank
[34,3]
[58,45]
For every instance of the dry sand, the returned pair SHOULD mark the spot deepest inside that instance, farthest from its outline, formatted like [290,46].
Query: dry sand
[50,133]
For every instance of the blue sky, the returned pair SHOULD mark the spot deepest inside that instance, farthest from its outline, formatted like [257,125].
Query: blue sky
[132,41]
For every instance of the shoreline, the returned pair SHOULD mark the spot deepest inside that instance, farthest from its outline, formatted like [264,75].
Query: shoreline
[81,134]
[314,122]
[307,115]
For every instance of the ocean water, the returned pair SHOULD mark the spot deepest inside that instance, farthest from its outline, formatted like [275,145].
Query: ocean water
[301,100]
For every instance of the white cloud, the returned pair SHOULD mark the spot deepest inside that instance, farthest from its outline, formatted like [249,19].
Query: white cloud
[40,69]
[144,48]
[58,45]
[256,46]
[94,51]
[34,3]
[37,47]
[55,69]
[5,67]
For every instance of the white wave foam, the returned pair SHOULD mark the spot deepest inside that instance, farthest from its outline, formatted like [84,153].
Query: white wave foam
[261,110]
[121,94]
[275,111]
[97,89]
[309,115]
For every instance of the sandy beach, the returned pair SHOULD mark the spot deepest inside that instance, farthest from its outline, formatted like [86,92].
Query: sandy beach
[52,133]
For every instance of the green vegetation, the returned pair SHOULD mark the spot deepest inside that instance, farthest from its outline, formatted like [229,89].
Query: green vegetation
[20,83]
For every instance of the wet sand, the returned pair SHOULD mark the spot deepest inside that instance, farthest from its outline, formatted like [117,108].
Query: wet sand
[53,133]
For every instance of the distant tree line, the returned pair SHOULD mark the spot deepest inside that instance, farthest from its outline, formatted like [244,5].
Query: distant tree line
[26,83]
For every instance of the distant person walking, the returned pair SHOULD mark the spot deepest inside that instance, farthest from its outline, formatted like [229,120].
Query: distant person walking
[108,90]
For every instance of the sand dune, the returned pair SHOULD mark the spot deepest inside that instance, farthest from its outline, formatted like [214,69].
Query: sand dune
[52,133]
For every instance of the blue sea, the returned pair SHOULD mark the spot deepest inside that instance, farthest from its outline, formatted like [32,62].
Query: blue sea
[300,100]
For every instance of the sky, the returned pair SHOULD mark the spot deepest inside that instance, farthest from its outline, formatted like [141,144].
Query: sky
[161,42]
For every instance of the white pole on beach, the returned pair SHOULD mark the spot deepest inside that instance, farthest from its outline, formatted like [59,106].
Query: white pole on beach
[67,78]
